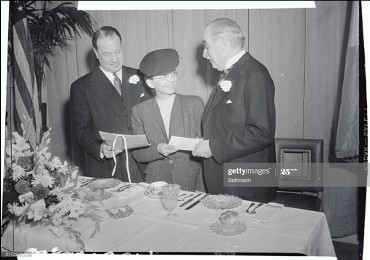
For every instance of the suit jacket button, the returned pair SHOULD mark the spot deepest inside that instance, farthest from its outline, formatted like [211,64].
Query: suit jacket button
[170,161]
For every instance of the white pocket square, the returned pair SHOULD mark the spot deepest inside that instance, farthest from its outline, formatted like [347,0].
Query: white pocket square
[229,102]
[142,94]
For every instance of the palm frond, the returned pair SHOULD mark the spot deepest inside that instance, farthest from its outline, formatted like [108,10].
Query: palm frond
[55,27]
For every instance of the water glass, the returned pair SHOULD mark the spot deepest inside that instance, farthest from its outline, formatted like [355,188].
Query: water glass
[170,193]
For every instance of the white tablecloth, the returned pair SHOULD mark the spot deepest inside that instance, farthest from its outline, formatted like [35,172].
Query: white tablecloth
[292,231]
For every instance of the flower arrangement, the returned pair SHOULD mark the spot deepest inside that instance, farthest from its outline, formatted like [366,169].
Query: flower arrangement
[42,190]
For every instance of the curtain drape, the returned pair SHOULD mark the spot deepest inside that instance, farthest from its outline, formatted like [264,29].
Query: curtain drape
[341,203]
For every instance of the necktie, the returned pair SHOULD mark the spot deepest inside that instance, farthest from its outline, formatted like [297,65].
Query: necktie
[118,83]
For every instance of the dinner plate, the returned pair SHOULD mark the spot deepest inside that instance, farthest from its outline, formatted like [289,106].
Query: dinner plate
[150,195]
[221,201]
[238,228]
[120,212]
[94,196]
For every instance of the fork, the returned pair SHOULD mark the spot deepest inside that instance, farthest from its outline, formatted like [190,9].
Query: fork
[254,210]
[185,197]
[252,204]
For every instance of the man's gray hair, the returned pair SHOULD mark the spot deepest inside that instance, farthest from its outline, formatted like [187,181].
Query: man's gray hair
[228,30]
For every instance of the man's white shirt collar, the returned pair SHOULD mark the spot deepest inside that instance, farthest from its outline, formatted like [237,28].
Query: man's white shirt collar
[110,76]
[230,62]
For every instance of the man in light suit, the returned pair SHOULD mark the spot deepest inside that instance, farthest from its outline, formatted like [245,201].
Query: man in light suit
[168,114]
[238,124]
[102,101]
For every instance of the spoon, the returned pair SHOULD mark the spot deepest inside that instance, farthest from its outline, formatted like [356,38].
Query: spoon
[252,204]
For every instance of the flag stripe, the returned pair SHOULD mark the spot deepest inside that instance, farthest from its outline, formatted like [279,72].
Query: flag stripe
[20,53]
[19,34]
[27,111]
[24,93]
[26,121]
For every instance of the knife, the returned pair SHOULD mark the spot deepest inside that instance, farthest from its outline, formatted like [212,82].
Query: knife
[197,202]
[186,202]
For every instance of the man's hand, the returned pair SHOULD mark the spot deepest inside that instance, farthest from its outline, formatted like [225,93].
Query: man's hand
[166,149]
[108,150]
[202,149]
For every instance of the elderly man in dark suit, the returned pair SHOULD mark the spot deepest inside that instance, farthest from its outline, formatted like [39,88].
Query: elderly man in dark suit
[238,123]
[168,114]
[102,101]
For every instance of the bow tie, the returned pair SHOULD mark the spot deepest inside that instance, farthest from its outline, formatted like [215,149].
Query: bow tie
[224,74]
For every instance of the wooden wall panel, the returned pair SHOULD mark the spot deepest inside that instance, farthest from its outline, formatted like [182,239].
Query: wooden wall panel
[277,40]
[159,30]
[134,38]
[325,39]
[58,114]
[188,29]
[242,18]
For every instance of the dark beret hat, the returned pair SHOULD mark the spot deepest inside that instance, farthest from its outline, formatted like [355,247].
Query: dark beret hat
[159,62]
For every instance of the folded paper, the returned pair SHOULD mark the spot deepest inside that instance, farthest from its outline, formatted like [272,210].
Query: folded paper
[132,141]
[182,143]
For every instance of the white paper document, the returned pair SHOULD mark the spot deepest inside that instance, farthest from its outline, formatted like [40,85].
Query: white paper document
[182,143]
[132,141]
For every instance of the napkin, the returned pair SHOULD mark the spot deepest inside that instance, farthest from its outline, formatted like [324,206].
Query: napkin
[267,213]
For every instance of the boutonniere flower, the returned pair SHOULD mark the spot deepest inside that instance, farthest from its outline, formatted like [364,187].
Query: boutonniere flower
[134,79]
[225,85]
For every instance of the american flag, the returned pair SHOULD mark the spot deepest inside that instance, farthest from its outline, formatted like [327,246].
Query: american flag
[27,115]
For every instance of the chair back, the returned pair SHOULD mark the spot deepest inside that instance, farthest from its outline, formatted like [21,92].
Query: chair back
[299,167]
[304,154]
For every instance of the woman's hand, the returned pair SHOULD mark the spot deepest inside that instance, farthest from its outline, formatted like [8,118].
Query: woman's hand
[166,149]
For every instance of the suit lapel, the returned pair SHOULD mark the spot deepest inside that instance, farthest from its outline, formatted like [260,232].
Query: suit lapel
[106,92]
[217,94]
[158,118]
[125,77]
[176,126]
[207,108]
[217,98]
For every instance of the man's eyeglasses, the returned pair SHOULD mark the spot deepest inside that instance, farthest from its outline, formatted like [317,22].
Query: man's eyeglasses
[173,75]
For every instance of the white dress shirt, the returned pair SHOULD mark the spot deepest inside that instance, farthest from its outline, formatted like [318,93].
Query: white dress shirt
[230,62]
[110,75]
[165,107]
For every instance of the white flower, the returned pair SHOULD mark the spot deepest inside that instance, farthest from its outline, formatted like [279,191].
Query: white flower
[225,85]
[16,209]
[44,179]
[18,172]
[28,197]
[37,210]
[134,79]
[55,163]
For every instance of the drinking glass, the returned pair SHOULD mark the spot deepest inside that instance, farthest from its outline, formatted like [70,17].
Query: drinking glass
[170,193]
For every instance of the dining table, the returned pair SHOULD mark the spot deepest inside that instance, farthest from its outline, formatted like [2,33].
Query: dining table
[196,229]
